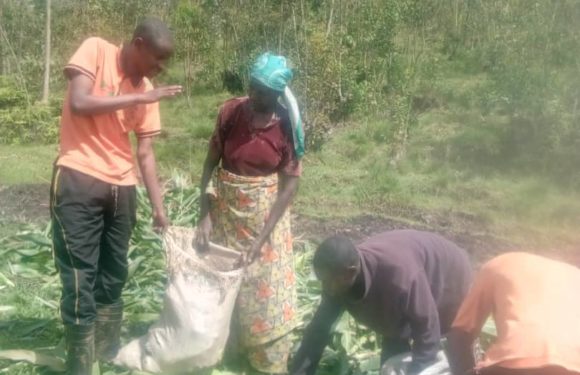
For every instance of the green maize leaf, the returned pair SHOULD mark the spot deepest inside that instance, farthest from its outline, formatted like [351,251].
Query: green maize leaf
[4,309]
[6,280]
[30,356]
[29,252]
[30,328]
[52,305]
[134,264]
[489,328]
[36,238]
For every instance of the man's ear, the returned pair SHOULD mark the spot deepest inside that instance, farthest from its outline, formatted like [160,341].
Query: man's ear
[351,271]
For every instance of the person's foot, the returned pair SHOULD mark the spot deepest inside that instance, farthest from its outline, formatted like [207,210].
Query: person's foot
[80,349]
[108,331]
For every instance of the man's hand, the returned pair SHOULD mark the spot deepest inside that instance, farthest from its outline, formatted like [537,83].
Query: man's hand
[201,241]
[84,103]
[159,93]
[160,221]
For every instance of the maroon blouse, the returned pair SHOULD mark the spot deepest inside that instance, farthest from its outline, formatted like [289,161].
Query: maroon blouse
[253,152]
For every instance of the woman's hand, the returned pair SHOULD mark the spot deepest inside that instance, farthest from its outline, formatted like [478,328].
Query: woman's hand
[253,253]
[201,240]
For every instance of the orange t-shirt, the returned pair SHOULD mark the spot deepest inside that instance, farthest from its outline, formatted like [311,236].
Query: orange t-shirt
[99,145]
[534,303]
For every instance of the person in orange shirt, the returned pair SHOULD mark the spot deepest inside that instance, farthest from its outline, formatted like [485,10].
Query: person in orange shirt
[532,301]
[93,197]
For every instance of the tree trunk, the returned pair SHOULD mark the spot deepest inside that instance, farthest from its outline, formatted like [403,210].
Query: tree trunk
[401,137]
[3,57]
[329,23]
[281,28]
[46,86]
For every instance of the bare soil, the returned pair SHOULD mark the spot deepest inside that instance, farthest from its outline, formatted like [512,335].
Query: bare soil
[24,203]
[30,204]
[472,233]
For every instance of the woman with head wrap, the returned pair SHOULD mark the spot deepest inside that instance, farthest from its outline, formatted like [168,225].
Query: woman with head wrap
[255,151]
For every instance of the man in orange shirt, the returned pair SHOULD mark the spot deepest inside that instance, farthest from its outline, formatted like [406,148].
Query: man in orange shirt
[532,301]
[93,198]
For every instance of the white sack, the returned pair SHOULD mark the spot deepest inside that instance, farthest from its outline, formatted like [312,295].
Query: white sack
[194,324]
[398,365]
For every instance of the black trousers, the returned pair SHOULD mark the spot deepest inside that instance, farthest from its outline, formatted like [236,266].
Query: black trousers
[92,223]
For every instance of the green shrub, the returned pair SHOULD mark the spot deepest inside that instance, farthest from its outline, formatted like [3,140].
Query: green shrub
[478,146]
[10,94]
[23,123]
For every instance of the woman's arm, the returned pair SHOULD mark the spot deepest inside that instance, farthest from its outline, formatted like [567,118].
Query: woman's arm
[204,223]
[288,188]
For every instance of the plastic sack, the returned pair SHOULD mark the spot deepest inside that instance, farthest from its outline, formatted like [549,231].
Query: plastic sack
[398,365]
[194,324]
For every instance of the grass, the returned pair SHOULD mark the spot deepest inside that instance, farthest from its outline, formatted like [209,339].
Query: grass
[188,124]
[29,164]
[351,174]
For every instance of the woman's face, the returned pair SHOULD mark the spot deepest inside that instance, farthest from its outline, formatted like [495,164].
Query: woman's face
[263,99]
[336,283]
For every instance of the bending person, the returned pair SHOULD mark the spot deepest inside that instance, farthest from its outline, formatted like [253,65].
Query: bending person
[537,316]
[406,285]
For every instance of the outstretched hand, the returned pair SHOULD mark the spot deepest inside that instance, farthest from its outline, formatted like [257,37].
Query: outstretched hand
[159,93]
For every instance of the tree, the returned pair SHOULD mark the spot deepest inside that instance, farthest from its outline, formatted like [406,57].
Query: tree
[47,48]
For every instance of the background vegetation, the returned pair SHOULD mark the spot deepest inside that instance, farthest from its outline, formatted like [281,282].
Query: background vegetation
[454,114]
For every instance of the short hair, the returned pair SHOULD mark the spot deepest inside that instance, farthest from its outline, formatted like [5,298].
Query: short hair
[335,253]
[153,31]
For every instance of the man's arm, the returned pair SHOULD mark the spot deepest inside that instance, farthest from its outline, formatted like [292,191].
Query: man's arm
[146,158]
[84,103]
[460,351]
[420,310]
[477,305]
[393,346]
[288,188]
[316,338]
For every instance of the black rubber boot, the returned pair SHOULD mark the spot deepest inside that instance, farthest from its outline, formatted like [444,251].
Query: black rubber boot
[80,349]
[108,330]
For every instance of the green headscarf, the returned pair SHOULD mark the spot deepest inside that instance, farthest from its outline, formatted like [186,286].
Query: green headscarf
[273,72]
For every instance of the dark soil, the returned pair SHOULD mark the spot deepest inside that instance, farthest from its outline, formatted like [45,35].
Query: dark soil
[470,232]
[30,204]
[24,203]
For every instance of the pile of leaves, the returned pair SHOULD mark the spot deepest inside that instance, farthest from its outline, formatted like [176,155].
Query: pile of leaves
[30,327]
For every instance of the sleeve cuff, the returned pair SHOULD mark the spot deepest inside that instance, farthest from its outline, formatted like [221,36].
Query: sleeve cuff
[147,134]
[81,70]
